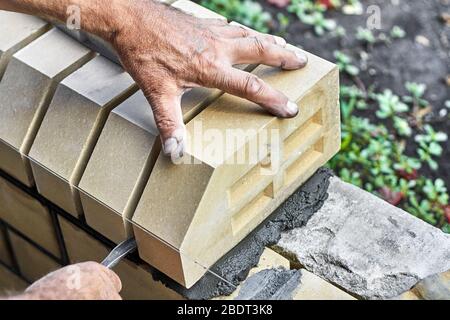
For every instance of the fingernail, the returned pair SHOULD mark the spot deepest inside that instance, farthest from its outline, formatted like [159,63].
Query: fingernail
[302,58]
[292,108]
[280,41]
[169,146]
[175,145]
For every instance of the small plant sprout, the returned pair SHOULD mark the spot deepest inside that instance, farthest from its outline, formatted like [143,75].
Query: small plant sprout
[397,33]
[319,22]
[312,13]
[416,92]
[353,177]
[402,126]
[429,146]
[407,166]
[389,105]
[283,23]
[436,191]
[344,63]
[430,135]
[247,12]
[421,209]
[365,35]
[339,32]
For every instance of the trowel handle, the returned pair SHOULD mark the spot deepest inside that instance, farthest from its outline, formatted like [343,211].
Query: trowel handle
[119,252]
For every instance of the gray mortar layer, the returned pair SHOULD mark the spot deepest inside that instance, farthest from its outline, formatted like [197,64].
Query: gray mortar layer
[271,284]
[227,273]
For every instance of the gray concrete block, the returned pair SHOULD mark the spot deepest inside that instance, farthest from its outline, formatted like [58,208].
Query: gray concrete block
[25,93]
[367,246]
[71,127]
[16,31]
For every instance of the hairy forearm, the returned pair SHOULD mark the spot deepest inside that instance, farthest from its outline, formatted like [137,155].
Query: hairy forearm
[101,17]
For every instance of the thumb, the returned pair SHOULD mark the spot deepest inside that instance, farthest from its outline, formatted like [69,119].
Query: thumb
[169,121]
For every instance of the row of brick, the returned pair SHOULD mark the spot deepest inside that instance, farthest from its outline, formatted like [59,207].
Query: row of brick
[30,248]
[24,259]
[77,127]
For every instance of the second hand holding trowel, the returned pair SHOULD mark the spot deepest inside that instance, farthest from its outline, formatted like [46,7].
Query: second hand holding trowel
[119,252]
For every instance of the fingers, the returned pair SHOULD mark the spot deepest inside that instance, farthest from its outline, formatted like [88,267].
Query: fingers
[258,50]
[169,120]
[112,278]
[250,87]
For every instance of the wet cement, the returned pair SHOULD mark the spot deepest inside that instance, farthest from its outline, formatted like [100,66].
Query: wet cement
[271,284]
[233,268]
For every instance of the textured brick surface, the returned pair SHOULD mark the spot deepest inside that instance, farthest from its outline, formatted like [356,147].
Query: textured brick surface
[201,211]
[17,30]
[71,128]
[25,92]
[122,157]
[28,216]
[4,251]
[10,283]
[126,152]
[33,263]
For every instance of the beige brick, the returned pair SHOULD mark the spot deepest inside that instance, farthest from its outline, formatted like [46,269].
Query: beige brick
[196,10]
[10,283]
[408,295]
[122,160]
[137,283]
[190,215]
[71,127]
[5,257]
[128,148]
[33,263]
[28,216]
[81,246]
[25,92]
[313,287]
[17,30]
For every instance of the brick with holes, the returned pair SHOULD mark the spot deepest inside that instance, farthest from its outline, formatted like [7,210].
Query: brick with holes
[241,164]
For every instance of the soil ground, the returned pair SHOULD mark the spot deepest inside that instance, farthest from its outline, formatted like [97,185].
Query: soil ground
[390,66]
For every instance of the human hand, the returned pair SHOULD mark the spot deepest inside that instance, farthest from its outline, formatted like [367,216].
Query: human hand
[83,281]
[168,52]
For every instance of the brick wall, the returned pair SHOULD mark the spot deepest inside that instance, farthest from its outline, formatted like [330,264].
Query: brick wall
[81,167]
